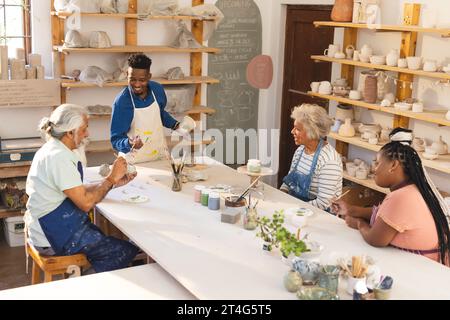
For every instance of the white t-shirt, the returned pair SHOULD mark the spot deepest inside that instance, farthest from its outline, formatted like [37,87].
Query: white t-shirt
[54,169]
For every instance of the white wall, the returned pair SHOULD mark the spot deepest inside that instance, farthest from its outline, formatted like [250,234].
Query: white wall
[429,46]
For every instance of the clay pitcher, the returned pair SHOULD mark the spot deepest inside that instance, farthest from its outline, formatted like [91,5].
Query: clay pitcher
[342,11]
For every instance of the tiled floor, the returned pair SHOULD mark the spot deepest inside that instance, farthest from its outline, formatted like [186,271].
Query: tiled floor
[12,265]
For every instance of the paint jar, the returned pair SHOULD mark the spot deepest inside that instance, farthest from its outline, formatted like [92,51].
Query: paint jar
[205,196]
[214,201]
[250,219]
[329,278]
[198,193]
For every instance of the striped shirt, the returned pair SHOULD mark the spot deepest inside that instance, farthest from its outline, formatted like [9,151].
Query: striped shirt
[327,177]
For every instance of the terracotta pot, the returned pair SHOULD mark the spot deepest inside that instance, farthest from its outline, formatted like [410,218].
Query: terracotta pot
[342,11]
[371,89]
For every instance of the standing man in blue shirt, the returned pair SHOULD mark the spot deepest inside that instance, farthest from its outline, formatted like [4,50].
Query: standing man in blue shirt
[138,114]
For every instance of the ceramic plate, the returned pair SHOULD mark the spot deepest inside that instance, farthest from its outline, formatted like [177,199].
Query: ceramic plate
[136,198]
[299,211]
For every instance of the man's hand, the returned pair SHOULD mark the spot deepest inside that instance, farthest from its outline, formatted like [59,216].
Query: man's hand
[135,143]
[118,171]
[125,179]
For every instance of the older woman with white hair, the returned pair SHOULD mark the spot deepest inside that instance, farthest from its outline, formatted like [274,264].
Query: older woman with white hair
[315,175]
[56,218]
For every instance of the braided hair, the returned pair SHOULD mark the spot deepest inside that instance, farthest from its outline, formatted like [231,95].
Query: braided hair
[400,149]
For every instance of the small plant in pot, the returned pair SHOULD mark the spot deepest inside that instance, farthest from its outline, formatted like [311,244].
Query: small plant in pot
[275,235]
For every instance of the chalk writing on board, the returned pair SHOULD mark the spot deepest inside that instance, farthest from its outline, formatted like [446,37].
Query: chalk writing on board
[30,93]
[239,37]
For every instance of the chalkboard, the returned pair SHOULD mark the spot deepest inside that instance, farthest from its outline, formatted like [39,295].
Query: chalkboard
[239,37]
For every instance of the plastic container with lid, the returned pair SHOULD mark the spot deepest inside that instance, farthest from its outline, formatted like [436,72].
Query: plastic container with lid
[214,201]
[198,193]
[205,197]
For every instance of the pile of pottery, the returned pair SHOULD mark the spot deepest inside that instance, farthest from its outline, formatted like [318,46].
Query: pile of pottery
[323,87]
[340,87]
[358,169]
[433,151]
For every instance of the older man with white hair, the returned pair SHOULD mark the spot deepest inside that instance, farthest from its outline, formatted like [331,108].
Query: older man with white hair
[315,175]
[56,218]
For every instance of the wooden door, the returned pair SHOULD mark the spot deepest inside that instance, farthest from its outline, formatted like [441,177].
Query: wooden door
[302,41]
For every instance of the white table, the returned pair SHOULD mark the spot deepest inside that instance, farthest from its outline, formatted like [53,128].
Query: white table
[149,282]
[215,260]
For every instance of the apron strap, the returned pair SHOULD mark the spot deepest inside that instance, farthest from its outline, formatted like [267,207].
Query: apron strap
[132,99]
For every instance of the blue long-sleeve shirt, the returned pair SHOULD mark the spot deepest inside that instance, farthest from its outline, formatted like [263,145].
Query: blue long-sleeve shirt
[123,113]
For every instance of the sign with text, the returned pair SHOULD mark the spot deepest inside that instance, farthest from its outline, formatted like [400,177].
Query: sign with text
[30,93]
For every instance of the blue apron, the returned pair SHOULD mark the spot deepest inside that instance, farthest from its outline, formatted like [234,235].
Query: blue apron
[69,231]
[299,184]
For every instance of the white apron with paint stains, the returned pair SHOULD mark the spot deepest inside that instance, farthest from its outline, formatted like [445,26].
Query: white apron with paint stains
[148,126]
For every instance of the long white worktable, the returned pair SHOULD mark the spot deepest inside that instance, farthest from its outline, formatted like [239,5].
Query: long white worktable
[148,282]
[215,260]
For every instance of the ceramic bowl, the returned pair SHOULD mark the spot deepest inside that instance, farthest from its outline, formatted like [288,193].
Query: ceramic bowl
[378,60]
[430,156]
[402,106]
[309,270]
[315,249]
[316,293]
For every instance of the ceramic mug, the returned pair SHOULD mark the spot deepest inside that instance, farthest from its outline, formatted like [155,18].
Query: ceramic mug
[351,283]
[364,58]
[430,66]
[331,51]
[349,50]
[351,170]
[402,63]
[414,63]
[355,95]
[315,86]
[417,107]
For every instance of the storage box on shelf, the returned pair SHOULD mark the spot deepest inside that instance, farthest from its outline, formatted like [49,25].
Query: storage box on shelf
[409,33]
[196,77]
[14,231]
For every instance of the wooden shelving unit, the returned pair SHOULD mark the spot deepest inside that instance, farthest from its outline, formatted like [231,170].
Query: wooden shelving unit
[14,169]
[409,31]
[131,46]
[65,15]
[186,80]
[7,213]
[132,49]
[437,117]
[445,32]
[438,75]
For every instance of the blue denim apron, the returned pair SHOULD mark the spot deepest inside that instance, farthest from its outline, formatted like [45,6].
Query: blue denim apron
[299,184]
[69,231]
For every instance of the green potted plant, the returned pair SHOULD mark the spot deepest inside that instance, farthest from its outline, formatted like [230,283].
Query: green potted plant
[275,235]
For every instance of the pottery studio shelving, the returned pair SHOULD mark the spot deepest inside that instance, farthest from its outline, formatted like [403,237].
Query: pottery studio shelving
[409,32]
[131,35]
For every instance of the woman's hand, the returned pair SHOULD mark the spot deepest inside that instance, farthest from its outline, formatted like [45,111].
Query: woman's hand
[352,222]
[340,207]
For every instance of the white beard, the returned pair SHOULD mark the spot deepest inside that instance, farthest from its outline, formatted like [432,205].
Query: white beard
[81,151]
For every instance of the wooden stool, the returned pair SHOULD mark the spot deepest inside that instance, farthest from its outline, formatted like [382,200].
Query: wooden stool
[54,265]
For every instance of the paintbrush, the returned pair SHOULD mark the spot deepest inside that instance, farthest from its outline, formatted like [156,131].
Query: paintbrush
[247,190]
[342,195]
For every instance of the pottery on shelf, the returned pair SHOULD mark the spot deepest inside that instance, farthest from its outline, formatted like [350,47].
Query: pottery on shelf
[440,146]
[370,89]
[384,135]
[392,58]
[429,156]
[418,144]
[342,11]
[381,60]
[344,112]
[349,50]
[447,115]
[347,130]
[369,127]
[366,50]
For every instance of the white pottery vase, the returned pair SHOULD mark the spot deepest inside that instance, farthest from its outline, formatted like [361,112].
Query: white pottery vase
[347,130]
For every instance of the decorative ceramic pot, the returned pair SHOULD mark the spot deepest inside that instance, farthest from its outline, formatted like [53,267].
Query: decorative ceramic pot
[292,281]
[440,146]
[342,11]
[370,89]
[347,130]
[309,270]
[392,58]
[344,112]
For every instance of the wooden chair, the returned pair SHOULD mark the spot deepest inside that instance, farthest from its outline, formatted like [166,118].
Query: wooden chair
[55,265]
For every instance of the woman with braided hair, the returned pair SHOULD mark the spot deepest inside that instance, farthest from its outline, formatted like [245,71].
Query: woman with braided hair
[413,217]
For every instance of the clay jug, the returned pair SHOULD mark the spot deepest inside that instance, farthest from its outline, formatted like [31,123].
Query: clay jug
[342,11]
[347,130]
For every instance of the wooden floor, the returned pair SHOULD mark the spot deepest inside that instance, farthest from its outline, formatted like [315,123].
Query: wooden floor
[12,265]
